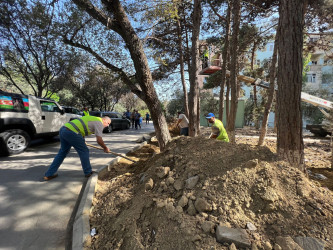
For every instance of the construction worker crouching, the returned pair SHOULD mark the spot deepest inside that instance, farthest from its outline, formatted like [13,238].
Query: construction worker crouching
[218,130]
[72,134]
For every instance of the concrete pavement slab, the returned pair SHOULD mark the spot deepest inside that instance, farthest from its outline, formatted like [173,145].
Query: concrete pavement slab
[34,214]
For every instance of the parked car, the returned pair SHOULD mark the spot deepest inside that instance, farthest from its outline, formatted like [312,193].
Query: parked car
[23,117]
[73,112]
[118,121]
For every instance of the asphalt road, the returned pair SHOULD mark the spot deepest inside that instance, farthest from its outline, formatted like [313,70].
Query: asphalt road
[36,215]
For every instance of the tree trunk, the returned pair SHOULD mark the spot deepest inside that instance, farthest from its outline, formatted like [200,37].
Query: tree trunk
[121,25]
[227,101]
[268,106]
[254,48]
[331,150]
[224,63]
[182,73]
[236,8]
[194,70]
[289,121]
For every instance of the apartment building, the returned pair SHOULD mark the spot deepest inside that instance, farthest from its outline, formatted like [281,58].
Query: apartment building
[319,73]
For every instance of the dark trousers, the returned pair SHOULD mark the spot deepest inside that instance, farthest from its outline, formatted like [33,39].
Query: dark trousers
[137,123]
[184,131]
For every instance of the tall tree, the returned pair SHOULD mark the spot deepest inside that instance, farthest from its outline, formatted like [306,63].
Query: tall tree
[234,84]
[113,17]
[194,108]
[98,88]
[29,49]
[289,118]
[181,64]
[225,57]
[167,42]
[271,91]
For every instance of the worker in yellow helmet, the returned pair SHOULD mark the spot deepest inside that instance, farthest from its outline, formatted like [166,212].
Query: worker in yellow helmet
[72,135]
[218,130]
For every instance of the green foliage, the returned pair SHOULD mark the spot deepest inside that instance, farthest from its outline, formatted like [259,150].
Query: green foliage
[143,113]
[327,78]
[214,80]
[176,104]
[248,112]
[30,50]
[100,89]
[254,112]
[119,108]
[66,98]
[306,67]
[52,96]
[208,103]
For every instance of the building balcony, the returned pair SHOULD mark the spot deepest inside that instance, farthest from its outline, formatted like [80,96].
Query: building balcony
[315,67]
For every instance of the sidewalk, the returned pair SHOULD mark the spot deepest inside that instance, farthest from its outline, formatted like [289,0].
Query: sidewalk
[37,215]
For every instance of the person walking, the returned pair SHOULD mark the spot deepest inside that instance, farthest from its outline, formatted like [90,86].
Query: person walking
[137,120]
[127,114]
[72,135]
[218,130]
[85,111]
[182,123]
[133,118]
[147,118]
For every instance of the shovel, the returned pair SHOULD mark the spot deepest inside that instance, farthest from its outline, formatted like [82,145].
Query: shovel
[112,152]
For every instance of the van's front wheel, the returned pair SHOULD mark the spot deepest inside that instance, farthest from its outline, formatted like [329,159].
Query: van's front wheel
[14,141]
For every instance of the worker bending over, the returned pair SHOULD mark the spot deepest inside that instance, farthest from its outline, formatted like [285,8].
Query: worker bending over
[218,130]
[72,134]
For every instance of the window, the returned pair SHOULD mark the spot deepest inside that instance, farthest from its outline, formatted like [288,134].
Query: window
[48,106]
[314,62]
[313,39]
[258,63]
[95,113]
[308,78]
[76,111]
[311,78]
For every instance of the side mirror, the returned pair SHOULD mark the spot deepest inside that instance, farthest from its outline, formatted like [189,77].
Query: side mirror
[62,111]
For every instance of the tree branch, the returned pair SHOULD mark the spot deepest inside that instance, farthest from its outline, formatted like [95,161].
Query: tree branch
[6,74]
[216,13]
[110,66]
[95,13]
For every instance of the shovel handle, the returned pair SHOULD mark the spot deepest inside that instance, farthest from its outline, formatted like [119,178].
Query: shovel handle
[93,146]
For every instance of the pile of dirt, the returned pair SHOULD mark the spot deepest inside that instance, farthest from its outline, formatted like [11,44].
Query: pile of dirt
[174,130]
[186,196]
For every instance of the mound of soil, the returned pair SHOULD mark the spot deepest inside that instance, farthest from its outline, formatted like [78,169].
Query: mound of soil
[179,198]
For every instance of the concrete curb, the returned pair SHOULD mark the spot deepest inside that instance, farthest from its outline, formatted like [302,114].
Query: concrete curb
[81,225]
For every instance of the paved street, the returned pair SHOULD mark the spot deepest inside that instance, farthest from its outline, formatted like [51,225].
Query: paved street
[35,215]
